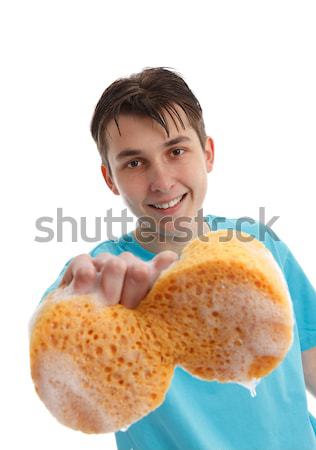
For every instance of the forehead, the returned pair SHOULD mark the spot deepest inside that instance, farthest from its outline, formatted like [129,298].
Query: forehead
[137,128]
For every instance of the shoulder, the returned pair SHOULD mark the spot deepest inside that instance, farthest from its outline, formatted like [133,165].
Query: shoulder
[258,230]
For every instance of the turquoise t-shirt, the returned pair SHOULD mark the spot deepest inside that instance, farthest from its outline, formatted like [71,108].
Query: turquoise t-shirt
[203,415]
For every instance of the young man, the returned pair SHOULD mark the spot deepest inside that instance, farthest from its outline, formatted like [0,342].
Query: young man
[155,153]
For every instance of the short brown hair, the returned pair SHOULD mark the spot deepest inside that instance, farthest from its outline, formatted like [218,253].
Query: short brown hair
[147,93]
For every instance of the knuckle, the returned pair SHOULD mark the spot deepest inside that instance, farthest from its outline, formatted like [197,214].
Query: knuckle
[82,256]
[86,274]
[126,254]
[117,265]
[140,273]
[128,257]
[101,257]
[79,260]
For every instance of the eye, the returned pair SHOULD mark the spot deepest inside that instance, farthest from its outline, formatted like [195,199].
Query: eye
[176,151]
[133,164]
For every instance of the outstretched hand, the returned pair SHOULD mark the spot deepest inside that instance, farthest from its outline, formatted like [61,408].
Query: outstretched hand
[123,279]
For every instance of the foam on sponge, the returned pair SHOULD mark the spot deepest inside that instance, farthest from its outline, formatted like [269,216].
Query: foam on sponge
[222,312]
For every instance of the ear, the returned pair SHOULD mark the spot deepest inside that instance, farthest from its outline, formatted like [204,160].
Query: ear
[108,179]
[209,151]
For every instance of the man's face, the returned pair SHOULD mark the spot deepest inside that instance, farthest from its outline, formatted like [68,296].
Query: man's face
[150,171]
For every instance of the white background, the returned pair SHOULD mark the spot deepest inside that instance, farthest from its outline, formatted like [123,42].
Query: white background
[250,63]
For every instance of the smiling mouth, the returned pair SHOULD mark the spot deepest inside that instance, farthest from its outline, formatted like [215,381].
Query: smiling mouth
[169,205]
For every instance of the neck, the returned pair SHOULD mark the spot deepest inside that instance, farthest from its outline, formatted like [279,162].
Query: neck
[160,242]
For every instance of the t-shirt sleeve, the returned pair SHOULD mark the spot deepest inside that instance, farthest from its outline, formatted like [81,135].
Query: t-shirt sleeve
[304,301]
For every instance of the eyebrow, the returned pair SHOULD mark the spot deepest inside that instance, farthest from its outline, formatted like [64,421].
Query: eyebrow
[133,151]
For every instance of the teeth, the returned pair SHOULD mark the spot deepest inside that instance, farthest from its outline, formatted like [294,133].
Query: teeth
[168,205]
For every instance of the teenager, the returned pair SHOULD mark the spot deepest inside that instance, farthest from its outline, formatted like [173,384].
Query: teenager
[156,155]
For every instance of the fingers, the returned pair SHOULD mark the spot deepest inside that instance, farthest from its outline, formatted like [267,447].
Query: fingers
[140,276]
[137,280]
[81,273]
[98,261]
[161,262]
[113,270]
[123,279]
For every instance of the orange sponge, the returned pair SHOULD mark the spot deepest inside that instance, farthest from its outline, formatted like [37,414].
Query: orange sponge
[222,312]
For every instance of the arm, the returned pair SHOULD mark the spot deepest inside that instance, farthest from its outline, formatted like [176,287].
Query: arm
[309,368]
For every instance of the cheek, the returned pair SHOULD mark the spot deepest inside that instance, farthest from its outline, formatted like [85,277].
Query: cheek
[201,187]
[132,194]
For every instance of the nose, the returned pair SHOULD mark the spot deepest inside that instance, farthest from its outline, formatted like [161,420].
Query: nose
[161,179]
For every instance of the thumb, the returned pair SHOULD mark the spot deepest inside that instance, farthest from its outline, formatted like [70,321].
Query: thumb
[161,262]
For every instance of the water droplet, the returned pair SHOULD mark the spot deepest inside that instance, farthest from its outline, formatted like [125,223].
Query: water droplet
[250,385]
